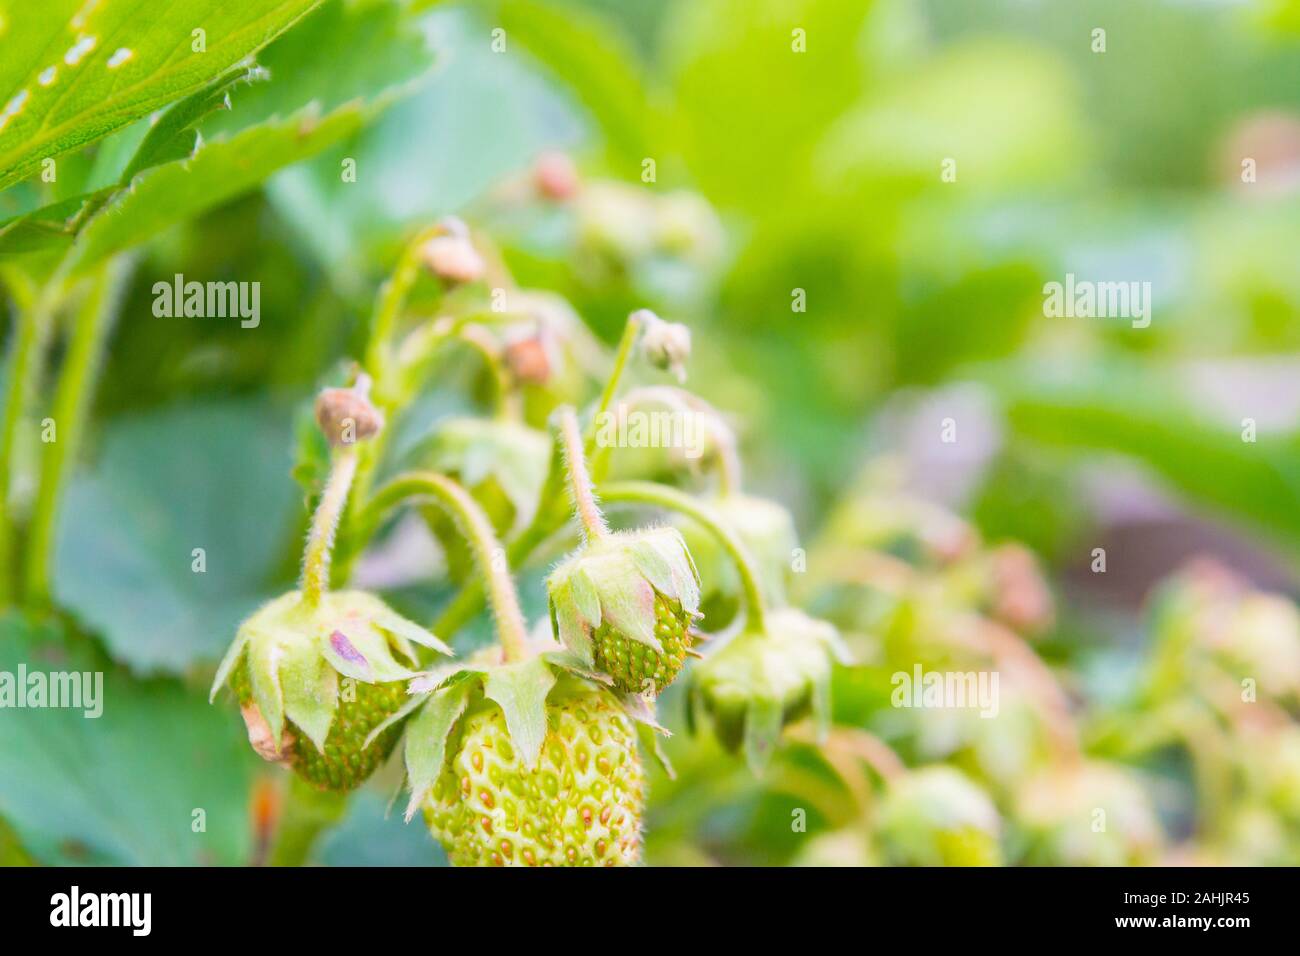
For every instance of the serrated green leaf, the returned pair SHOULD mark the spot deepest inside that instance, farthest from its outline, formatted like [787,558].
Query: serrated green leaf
[73,72]
[520,690]
[426,740]
[175,135]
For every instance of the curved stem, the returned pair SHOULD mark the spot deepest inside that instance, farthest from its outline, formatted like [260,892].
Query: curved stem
[477,529]
[647,492]
[72,395]
[320,540]
[594,526]
[630,332]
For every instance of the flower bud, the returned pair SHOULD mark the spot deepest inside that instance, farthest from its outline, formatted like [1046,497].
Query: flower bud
[666,345]
[346,416]
[555,176]
[451,256]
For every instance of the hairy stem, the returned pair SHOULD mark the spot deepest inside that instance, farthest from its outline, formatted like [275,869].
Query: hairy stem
[32,314]
[662,496]
[305,813]
[630,332]
[593,522]
[72,396]
[491,558]
[320,540]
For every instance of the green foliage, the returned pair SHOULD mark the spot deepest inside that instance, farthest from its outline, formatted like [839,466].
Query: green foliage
[73,74]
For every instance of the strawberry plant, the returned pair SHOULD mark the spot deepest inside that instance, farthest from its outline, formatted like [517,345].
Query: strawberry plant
[644,434]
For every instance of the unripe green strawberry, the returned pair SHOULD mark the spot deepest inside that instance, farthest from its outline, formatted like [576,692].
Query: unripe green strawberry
[636,667]
[580,805]
[762,680]
[1093,814]
[314,683]
[936,816]
[767,531]
[624,604]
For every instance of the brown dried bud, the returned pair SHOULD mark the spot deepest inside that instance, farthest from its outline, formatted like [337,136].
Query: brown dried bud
[555,176]
[345,416]
[451,256]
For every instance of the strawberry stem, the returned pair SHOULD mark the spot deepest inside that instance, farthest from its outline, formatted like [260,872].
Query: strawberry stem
[630,332]
[575,461]
[320,540]
[72,393]
[662,496]
[477,530]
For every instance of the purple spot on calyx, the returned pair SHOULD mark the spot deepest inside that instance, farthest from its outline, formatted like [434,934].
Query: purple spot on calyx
[343,647]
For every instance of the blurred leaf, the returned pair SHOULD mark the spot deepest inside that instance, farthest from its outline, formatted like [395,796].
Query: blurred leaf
[586,53]
[372,834]
[750,107]
[347,50]
[486,116]
[122,788]
[73,73]
[218,172]
[211,476]
[1132,410]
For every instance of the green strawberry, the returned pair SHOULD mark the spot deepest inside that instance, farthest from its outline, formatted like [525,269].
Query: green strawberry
[936,816]
[1089,814]
[636,667]
[624,604]
[759,681]
[526,763]
[579,806]
[315,683]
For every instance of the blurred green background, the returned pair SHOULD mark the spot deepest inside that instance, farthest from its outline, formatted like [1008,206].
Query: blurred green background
[821,178]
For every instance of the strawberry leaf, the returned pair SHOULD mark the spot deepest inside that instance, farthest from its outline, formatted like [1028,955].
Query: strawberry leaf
[74,72]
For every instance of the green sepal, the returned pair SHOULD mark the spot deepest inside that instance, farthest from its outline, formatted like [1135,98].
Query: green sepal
[650,740]
[520,691]
[264,677]
[762,731]
[426,740]
[311,698]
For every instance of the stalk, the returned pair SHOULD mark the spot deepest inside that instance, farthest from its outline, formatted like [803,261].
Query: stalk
[647,492]
[33,314]
[477,529]
[594,526]
[71,400]
[320,540]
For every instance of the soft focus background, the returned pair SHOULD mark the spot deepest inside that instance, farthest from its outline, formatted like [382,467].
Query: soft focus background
[846,303]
